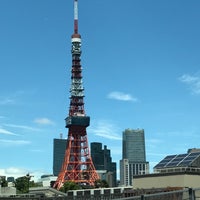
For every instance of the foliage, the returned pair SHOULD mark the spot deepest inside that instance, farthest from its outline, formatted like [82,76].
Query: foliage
[101,184]
[69,185]
[3,182]
[23,184]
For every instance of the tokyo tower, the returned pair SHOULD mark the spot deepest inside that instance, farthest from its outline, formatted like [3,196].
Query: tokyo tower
[77,165]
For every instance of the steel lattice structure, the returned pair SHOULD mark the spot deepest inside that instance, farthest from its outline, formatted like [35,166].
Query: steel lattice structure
[77,165]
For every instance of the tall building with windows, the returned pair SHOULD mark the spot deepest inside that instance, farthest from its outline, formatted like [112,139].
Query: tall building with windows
[103,162]
[59,147]
[124,172]
[133,156]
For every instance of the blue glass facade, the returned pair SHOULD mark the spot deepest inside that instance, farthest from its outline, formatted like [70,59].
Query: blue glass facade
[134,145]
[59,147]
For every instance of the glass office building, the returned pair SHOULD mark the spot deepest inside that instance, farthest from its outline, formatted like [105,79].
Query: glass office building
[59,147]
[133,145]
[133,155]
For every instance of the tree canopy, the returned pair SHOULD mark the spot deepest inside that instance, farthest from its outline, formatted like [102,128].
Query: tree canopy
[69,185]
[23,184]
[3,182]
[101,184]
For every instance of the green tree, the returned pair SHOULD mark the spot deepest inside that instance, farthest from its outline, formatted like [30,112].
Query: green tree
[101,184]
[3,182]
[69,185]
[22,184]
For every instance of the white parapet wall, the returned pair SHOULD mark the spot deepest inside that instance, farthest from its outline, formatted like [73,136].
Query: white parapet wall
[7,191]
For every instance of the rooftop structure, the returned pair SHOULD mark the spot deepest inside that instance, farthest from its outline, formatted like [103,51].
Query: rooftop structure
[180,162]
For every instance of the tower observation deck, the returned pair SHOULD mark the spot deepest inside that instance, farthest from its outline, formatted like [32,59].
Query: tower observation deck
[77,164]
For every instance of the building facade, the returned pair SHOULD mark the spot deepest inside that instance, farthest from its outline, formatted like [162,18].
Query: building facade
[133,156]
[184,179]
[59,147]
[103,162]
[124,172]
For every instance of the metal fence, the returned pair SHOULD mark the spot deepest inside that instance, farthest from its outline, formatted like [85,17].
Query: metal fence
[196,193]
[185,194]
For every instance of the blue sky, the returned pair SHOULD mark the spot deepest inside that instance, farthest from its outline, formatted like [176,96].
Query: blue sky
[141,70]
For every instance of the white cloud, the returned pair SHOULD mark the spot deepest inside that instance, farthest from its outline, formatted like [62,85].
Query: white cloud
[7,101]
[11,99]
[17,172]
[106,129]
[6,132]
[43,121]
[29,128]
[14,142]
[14,98]
[192,81]
[121,96]
[13,172]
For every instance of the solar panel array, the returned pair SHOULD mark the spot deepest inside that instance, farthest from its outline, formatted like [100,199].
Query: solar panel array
[181,160]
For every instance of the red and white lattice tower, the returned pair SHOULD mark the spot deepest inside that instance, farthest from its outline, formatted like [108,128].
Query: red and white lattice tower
[77,165]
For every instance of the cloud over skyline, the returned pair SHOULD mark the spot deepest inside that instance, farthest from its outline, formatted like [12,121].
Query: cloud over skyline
[6,132]
[7,101]
[121,96]
[43,121]
[192,81]
[106,129]
[29,128]
[17,172]
[14,142]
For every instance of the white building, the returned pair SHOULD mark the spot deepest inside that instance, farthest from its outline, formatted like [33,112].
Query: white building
[45,180]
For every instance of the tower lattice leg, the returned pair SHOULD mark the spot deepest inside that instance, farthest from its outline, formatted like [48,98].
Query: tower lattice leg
[77,166]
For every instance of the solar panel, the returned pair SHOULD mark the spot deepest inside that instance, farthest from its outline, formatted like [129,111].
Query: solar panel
[175,161]
[195,153]
[185,163]
[178,160]
[189,159]
[163,162]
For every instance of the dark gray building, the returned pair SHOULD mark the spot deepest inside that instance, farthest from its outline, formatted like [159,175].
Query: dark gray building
[59,147]
[102,160]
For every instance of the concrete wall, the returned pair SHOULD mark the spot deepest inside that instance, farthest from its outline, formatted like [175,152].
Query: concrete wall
[163,181]
[7,191]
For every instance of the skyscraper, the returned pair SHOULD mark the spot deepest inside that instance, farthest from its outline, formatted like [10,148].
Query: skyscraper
[133,156]
[103,161]
[97,155]
[59,147]
[133,145]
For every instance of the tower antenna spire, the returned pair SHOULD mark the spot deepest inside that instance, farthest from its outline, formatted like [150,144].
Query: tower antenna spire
[75,16]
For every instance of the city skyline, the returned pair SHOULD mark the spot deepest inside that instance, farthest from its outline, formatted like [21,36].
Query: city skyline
[140,70]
